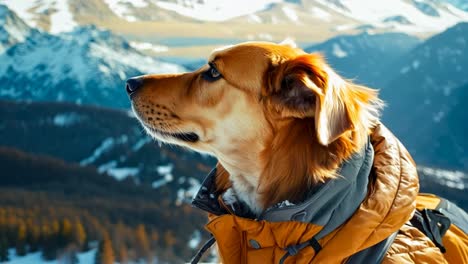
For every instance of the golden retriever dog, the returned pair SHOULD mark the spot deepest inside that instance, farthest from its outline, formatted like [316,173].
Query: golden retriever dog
[270,113]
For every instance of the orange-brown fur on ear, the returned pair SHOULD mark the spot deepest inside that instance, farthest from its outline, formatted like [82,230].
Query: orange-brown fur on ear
[286,85]
[296,159]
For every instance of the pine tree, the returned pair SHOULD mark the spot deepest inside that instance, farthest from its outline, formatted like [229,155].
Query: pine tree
[34,238]
[79,235]
[105,254]
[123,254]
[142,244]
[3,249]
[154,239]
[65,233]
[21,240]
[49,242]
[169,239]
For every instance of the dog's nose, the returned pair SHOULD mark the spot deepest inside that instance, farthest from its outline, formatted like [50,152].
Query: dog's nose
[133,84]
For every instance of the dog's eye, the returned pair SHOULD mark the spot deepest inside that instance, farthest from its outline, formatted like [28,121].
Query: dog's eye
[212,74]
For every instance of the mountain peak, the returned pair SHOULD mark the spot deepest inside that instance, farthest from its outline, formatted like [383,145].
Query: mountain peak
[92,33]
[69,67]
[13,29]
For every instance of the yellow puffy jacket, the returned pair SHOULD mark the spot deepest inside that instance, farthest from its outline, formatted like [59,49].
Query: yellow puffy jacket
[366,221]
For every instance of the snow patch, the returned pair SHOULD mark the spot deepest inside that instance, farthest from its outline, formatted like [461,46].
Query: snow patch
[252,18]
[66,119]
[338,51]
[290,13]
[122,173]
[215,10]
[320,13]
[166,172]
[36,258]
[438,116]
[140,143]
[62,19]
[452,179]
[117,58]
[195,239]
[186,195]
[146,46]
[122,7]
[374,12]
[22,9]
[165,169]
[405,70]
[107,166]
[105,146]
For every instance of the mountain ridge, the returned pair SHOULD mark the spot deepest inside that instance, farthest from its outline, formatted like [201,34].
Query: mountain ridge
[86,65]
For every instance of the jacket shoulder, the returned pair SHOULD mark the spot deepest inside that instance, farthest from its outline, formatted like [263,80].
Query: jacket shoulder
[412,246]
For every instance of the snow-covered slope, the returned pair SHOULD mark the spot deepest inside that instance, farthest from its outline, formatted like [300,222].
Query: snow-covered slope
[402,15]
[399,15]
[412,16]
[442,142]
[12,29]
[110,140]
[60,17]
[424,88]
[422,13]
[430,73]
[36,258]
[207,10]
[462,4]
[87,65]
[365,57]
[449,184]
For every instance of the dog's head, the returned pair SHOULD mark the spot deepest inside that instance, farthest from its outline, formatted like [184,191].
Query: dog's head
[241,88]
[245,95]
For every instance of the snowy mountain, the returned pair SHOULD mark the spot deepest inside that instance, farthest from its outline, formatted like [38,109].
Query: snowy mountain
[421,15]
[354,55]
[462,4]
[55,16]
[306,21]
[13,30]
[430,74]
[207,10]
[400,15]
[449,184]
[447,144]
[425,86]
[86,65]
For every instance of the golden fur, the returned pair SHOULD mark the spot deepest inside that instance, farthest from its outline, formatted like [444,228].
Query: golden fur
[279,120]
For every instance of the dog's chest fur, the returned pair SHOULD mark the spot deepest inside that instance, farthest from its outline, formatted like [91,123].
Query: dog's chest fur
[246,191]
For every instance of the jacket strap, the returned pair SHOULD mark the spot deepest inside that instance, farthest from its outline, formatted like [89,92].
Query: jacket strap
[202,250]
[433,224]
[294,249]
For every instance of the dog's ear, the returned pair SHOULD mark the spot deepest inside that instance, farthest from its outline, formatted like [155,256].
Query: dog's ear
[307,87]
